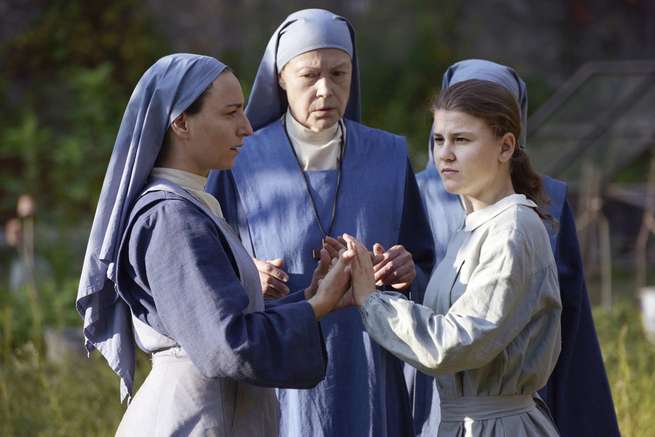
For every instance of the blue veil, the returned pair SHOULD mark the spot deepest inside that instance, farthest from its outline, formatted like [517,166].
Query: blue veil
[302,31]
[164,91]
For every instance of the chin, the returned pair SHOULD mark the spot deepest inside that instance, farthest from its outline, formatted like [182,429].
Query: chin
[451,187]
[323,123]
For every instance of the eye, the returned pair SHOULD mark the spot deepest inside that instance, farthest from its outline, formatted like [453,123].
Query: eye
[461,140]
[438,140]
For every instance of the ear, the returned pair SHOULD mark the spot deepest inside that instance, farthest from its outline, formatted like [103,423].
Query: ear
[180,126]
[507,147]
[281,81]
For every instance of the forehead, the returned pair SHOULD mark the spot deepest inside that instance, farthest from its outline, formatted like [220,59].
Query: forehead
[225,90]
[320,58]
[456,121]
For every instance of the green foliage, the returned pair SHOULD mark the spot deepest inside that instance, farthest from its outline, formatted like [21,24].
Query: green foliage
[397,90]
[630,363]
[78,397]
[68,78]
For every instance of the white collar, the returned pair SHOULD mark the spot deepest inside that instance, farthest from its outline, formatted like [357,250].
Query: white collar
[191,182]
[182,178]
[477,218]
[301,133]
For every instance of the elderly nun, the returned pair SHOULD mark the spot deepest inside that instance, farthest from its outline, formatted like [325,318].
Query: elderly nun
[164,271]
[577,392]
[319,172]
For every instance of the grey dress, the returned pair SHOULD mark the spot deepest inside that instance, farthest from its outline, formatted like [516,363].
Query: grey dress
[489,328]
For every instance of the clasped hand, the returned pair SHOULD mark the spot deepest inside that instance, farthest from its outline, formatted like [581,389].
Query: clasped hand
[348,273]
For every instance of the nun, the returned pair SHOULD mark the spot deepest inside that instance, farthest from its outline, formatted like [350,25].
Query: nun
[317,172]
[577,393]
[163,270]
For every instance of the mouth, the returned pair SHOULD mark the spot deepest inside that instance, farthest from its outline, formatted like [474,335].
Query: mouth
[323,110]
[236,148]
[448,171]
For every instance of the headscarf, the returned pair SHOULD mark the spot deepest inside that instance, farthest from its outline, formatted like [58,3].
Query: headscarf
[164,91]
[301,32]
[497,73]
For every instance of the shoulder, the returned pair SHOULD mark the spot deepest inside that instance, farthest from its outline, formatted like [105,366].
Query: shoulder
[516,219]
[520,229]
[361,130]
[273,128]
[169,214]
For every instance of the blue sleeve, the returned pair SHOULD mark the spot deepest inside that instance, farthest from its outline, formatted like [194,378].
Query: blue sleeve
[416,236]
[200,303]
[578,393]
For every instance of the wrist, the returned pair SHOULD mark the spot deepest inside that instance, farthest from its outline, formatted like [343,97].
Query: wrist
[360,300]
[320,307]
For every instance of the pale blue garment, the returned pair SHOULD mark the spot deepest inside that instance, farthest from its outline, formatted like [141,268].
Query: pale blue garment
[363,393]
[300,32]
[164,91]
[266,199]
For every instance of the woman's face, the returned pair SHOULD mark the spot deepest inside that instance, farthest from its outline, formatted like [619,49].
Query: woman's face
[471,159]
[216,132]
[317,84]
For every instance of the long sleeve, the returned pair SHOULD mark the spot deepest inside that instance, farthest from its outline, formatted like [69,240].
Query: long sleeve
[416,236]
[201,304]
[501,298]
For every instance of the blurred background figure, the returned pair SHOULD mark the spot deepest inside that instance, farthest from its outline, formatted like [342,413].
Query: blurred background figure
[25,268]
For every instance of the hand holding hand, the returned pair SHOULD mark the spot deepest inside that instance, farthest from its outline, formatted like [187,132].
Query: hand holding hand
[320,271]
[334,285]
[272,278]
[362,275]
[395,268]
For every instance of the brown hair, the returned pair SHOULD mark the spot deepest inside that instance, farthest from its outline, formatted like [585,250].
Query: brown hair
[496,106]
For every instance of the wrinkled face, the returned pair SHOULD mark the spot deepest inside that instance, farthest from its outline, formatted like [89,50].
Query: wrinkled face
[317,84]
[469,156]
[216,132]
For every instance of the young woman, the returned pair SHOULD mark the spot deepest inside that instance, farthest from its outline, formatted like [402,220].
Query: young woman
[579,374]
[163,268]
[489,326]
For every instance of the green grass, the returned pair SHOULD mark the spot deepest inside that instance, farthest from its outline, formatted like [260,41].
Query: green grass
[81,398]
[630,363]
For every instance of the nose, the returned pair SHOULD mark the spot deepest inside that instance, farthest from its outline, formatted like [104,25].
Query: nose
[445,151]
[323,88]
[245,129]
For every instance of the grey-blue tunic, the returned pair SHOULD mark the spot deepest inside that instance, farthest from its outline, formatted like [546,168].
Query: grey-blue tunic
[178,270]
[489,328]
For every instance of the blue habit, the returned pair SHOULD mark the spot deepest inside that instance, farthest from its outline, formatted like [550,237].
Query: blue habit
[177,274]
[577,392]
[363,393]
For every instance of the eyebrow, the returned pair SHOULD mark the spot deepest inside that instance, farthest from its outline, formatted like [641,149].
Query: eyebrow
[314,67]
[234,105]
[455,133]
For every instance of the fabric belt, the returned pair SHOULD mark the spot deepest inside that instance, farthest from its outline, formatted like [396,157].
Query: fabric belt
[168,353]
[484,407]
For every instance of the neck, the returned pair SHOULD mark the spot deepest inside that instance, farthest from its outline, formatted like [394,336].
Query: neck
[172,159]
[489,196]
[306,135]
